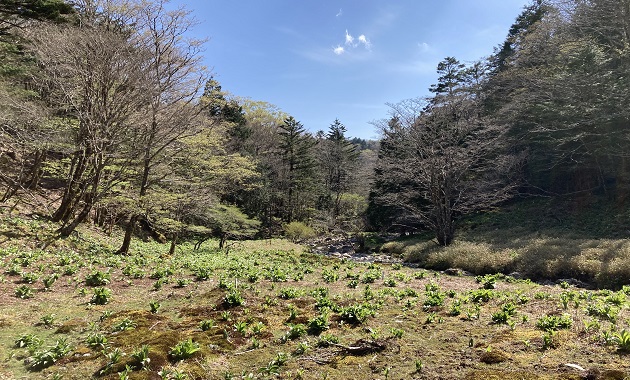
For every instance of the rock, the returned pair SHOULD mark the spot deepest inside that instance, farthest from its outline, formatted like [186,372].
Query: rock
[347,248]
[454,272]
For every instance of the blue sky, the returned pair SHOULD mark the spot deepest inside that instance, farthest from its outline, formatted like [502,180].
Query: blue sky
[321,60]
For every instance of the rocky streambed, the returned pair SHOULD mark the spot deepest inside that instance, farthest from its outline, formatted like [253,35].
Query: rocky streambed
[349,249]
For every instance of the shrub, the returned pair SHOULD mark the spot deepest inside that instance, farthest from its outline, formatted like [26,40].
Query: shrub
[295,231]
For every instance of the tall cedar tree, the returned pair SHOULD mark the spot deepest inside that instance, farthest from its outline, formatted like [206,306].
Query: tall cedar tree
[297,171]
[338,157]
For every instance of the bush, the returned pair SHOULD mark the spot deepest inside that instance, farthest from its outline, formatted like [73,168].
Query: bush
[295,231]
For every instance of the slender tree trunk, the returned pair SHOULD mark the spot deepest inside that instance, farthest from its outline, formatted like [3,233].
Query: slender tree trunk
[68,228]
[124,248]
[36,171]
[89,200]
[69,200]
[171,251]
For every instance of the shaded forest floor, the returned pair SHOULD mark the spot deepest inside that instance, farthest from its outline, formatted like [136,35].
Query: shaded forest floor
[268,309]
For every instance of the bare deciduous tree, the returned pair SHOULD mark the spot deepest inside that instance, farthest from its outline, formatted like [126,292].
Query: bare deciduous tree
[444,159]
[95,74]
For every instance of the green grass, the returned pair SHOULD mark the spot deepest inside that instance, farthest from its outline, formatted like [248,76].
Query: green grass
[270,308]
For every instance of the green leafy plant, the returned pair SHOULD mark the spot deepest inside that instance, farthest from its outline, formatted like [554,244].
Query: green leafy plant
[97,278]
[233,298]
[290,293]
[503,316]
[295,331]
[318,324]
[29,278]
[154,306]
[49,281]
[48,319]
[622,339]
[330,275]
[101,296]
[184,350]
[30,341]
[396,332]
[554,322]
[46,358]
[96,340]
[124,324]
[141,357]
[206,324]
[356,314]
[24,292]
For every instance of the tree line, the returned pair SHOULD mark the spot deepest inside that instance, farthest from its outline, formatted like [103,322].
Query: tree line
[106,106]
[544,115]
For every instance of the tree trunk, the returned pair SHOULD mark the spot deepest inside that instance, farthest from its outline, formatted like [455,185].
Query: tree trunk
[36,170]
[68,228]
[171,251]
[124,249]
[69,201]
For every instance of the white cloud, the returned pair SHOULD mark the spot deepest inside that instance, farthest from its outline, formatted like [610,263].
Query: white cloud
[339,50]
[424,47]
[364,40]
[340,13]
[349,38]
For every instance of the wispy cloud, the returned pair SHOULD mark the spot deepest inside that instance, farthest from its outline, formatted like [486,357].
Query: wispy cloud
[352,44]
[340,13]
[349,38]
[364,40]
[424,47]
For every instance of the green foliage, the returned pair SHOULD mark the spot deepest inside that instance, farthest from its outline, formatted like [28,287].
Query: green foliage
[184,350]
[96,341]
[124,324]
[296,231]
[24,292]
[101,296]
[46,358]
[206,324]
[97,278]
[318,324]
[290,293]
[295,331]
[554,322]
[233,298]
[508,310]
[356,314]
[622,339]
[140,357]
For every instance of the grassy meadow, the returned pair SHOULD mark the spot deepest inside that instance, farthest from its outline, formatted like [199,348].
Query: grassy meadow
[70,309]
